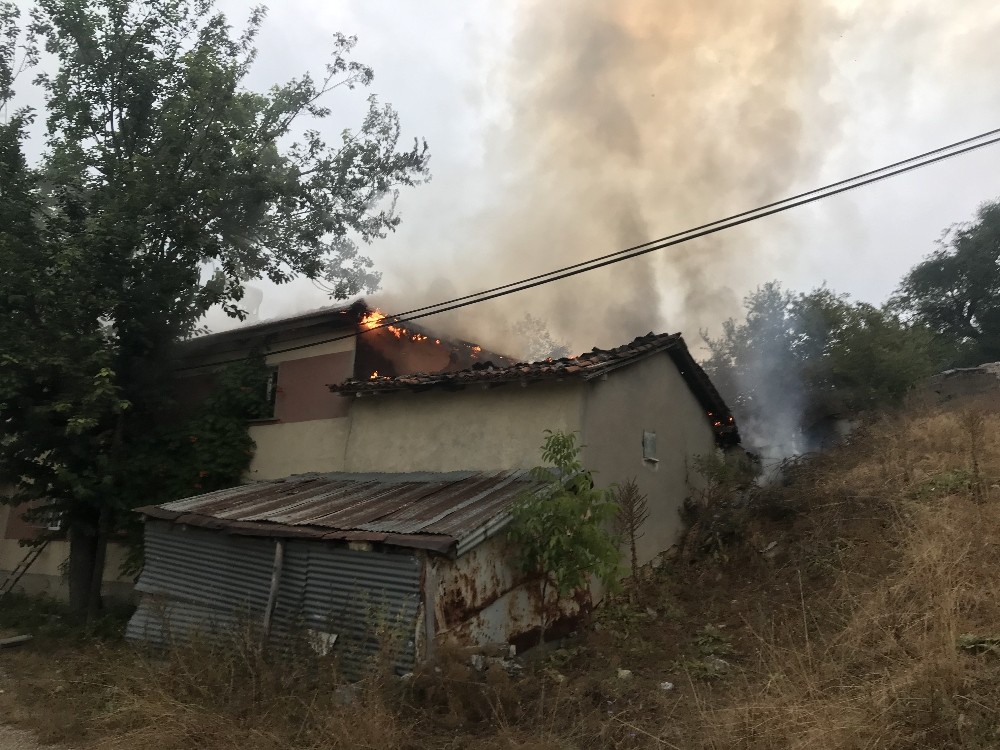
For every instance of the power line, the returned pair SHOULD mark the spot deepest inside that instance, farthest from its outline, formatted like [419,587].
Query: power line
[876,175]
[403,315]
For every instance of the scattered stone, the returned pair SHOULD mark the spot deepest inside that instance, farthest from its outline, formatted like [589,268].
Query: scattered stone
[651,612]
[665,686]
[513,668]
[624,674]
[478,662]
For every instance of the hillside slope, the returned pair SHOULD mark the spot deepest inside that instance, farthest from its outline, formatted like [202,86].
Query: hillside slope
[855,606]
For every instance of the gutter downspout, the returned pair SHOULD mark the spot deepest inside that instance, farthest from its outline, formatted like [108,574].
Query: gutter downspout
[272,596]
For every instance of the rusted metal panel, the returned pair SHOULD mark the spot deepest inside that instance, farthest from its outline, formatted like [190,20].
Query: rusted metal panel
[483,599]
[427,510]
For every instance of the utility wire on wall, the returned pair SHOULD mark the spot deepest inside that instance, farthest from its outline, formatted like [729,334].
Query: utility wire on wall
[851,183]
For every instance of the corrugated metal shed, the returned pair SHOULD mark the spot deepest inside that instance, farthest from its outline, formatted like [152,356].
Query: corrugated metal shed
[197,581]
[445,512]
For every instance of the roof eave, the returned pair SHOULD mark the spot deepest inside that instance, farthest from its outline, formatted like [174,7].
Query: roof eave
[439,543]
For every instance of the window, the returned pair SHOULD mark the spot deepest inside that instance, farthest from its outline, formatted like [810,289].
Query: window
[649,446]
[271,393]
[54,521]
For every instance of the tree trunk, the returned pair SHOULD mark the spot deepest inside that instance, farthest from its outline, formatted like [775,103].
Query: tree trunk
[545,611]
[94,601]
[82,561]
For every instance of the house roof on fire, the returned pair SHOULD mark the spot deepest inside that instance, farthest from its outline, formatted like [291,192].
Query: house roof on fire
[593,364]
[336,320]
[446,512]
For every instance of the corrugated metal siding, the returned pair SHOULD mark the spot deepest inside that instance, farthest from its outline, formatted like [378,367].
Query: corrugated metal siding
[360,596]
[198,581]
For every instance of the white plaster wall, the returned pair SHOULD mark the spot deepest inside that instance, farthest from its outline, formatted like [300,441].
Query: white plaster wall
[475,429]
[298,447]
[311,348]
[649,395]
[46,575]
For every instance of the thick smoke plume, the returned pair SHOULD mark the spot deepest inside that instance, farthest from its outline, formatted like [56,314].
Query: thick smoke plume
[628,121]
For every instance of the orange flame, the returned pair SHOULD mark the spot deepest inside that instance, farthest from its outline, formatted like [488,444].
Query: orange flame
[373,375]
[378,319]
[373,319]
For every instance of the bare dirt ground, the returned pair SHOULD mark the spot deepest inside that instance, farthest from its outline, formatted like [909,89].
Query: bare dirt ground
[17,739]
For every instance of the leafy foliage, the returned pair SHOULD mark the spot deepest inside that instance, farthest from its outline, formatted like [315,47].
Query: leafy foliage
[716,512]
[560,532]
[956,290]
[630,517]
[164,186]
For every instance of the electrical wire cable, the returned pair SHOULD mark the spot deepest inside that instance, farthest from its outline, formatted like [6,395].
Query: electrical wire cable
[981,136]
[927,158]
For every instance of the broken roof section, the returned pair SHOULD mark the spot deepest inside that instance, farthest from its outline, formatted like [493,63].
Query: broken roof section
[446,512]
[373,330]
[593,364]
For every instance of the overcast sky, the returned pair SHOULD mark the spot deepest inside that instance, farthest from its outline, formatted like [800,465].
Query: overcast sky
[859,85]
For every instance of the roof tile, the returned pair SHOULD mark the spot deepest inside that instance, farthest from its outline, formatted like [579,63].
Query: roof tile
[586,366]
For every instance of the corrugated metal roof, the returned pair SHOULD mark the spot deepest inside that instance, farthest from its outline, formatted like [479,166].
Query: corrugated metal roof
[426,510]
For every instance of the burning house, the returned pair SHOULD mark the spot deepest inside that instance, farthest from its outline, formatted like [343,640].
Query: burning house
[305,428]
[401,515]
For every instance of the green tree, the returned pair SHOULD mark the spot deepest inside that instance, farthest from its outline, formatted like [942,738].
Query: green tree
[956,290]
[164,184]
[798,358]
[561,532]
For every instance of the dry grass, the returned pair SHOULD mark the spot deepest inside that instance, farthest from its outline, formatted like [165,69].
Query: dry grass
[847,635]
[873,660]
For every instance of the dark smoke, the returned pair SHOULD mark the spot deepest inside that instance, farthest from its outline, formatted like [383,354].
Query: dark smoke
[630,120]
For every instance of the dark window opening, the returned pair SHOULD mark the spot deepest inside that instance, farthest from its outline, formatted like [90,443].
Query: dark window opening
[271,393]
